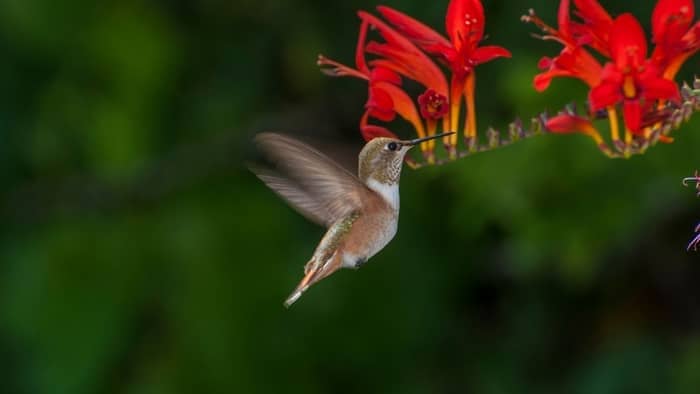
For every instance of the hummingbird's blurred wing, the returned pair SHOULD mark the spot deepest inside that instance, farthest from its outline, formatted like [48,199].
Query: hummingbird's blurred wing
[315,185]
[294,194]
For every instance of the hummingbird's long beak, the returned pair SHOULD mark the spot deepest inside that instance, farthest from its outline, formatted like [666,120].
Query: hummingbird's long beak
[430,137]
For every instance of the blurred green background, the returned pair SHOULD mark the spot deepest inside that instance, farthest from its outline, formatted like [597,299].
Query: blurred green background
[138,255]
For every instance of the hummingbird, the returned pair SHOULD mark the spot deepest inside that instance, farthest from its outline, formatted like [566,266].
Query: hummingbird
[360,212]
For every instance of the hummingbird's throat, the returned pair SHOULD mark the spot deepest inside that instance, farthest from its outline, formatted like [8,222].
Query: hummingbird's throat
[389,172]
[388,191]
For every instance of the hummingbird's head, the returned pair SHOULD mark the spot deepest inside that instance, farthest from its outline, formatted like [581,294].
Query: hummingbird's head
[381,158]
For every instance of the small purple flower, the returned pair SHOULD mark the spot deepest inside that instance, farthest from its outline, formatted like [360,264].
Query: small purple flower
[695,242]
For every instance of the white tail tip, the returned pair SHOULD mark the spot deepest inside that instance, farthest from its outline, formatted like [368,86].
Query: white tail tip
[293,297]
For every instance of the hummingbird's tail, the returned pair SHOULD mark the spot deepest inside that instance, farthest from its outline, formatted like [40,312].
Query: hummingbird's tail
[301,287]
[313,274]
[293,297]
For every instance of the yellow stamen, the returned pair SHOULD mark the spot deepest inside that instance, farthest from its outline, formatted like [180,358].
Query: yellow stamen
[428,147]
[628,142]
[614,126]
[446,124]
[629,88]
[455,109]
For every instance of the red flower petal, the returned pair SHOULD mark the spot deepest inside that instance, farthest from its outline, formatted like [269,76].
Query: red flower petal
[597,23]
[568,123]
[564,19]
[370,132]
[691,40]
[464,22]
[422,35]
[545,63]
[403,105]
[542,80]
[692,37]
[410,60]
[611,74]
[673,57]
[675,39]
[446,52]
[390,35]
[628,45]
[573,62]
[360,61]
[487,53]
[421,70]
[380,104]
[383,74]
[391,65]
[582,64]
[671,19]
[654,87]
[605,94]
[632,112]
[592,12]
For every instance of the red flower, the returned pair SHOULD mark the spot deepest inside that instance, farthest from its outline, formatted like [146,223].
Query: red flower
[565,123]
[380,103]
[630,78]
[399,54]
[640,85]
[675,38]
[385,96]
[464,24]
[595,25]
[573,61]
[433,105]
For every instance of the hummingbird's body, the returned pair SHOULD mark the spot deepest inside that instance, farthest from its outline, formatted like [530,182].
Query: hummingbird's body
[361,213]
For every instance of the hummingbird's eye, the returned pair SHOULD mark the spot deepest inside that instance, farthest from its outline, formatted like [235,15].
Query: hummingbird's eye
[392,146]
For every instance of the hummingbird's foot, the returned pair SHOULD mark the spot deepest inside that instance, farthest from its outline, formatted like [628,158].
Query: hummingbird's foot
[360,262]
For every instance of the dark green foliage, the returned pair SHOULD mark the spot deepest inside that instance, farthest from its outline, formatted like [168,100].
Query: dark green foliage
[138,255]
